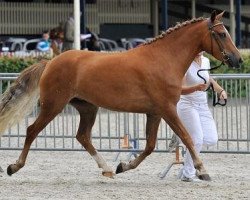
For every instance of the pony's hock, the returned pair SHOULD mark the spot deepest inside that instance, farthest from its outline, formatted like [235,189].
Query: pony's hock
[88,80]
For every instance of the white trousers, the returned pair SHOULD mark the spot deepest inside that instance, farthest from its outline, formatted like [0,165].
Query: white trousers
[199,122]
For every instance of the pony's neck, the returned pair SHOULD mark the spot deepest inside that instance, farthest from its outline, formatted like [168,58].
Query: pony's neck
[182,44]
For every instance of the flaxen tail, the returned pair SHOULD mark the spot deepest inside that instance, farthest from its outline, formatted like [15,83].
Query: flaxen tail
[20,98]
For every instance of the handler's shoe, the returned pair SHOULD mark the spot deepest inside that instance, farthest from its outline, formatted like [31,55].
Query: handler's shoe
[180,174]
[193,179]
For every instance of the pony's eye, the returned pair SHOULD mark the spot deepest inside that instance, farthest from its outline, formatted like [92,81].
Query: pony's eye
[222,35]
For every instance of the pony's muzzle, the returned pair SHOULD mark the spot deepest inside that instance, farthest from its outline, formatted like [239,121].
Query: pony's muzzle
[234,61]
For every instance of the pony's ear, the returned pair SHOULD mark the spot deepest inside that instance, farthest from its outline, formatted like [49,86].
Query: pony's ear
[219,16]
[213,16]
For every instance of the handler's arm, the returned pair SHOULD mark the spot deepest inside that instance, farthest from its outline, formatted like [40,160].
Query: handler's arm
[217,88]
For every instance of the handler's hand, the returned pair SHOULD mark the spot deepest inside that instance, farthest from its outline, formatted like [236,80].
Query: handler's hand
[201,87]
[223,94]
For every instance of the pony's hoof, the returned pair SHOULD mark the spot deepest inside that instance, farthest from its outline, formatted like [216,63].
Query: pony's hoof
[120,168]
[204,177]
[10,170]
[108,174]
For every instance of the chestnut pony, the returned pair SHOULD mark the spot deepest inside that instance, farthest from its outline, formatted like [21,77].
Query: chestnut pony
[147,79]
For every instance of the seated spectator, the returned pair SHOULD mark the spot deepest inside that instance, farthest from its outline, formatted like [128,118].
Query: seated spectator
[44,44]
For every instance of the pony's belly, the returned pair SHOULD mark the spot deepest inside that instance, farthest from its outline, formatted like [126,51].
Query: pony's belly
[135,107]
[119,103]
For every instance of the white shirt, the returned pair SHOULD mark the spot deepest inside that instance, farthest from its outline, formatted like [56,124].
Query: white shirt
[193,79]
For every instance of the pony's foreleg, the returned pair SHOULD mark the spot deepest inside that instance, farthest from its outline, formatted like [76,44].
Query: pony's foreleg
[87,118]
[152,125]
[175,123]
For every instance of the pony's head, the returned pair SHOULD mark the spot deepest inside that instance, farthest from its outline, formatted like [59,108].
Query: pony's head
[219,43]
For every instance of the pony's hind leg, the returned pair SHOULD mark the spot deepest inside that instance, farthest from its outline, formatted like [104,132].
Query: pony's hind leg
[152,125]
[88,113]
[48,112]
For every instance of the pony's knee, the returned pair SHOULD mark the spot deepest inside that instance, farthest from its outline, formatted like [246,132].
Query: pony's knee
[29,129]
[81,139]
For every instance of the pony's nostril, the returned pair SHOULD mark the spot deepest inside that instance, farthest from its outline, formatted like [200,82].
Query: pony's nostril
[240,60]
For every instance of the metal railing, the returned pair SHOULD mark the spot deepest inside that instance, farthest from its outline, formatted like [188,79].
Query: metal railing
[110,129]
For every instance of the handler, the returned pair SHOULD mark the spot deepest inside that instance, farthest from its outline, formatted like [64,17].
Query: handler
[194,113]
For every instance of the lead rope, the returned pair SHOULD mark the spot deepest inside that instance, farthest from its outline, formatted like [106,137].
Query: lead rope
[221,102]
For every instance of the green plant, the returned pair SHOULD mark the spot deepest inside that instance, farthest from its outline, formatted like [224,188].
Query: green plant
[15,65]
